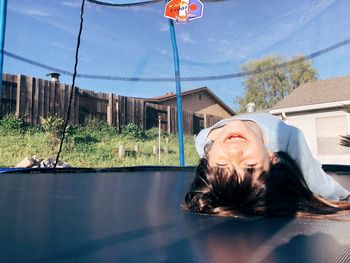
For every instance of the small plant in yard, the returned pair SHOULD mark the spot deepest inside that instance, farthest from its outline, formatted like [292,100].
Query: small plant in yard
[98,127]
[153,133]
[53,127]
[133,131]
[11,123]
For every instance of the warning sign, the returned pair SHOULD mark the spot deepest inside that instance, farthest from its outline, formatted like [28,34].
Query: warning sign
[183,10]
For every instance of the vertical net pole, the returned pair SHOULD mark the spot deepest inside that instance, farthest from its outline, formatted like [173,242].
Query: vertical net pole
[178,93]
[3,10]
[159,132]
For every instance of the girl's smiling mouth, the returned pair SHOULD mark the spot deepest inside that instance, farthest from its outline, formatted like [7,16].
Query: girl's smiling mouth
[235,138]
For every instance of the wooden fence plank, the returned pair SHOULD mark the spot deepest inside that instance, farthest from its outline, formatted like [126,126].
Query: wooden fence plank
[29,100]
[35,120]
[57,98]
[41,99]
[20,96]
[46,99]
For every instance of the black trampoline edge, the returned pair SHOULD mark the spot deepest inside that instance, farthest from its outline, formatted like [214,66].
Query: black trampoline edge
[336,168]
[97,170]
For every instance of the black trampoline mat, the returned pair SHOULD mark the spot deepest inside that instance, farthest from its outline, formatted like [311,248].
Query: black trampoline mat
[136,217]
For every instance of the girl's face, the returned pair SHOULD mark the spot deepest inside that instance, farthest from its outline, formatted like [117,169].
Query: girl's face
[239,145]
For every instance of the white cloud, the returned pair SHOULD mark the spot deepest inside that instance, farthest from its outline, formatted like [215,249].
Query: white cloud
[73,4]
[163,27]
[186,38]
[314,9]
[28,10]
[43,15]
[40,13]
[77,4]
[228,49]
[148,9]
[57,45]
[84,59]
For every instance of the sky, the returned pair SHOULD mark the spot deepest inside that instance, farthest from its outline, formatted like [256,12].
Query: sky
[135,41]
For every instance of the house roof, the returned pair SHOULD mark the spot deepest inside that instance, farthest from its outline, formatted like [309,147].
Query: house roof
[172,95]
[317,92]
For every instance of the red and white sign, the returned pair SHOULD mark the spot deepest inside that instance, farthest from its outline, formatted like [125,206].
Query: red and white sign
[183,10]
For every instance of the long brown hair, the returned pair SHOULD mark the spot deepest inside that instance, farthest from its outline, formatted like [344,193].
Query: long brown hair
[280,192]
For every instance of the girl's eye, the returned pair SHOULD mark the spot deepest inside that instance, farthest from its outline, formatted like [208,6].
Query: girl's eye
[221,164]
[251,165]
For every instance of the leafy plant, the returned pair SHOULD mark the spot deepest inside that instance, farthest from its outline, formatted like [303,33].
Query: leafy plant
[98,127]
[85,139]
[131,130]
[53,127]
[11,123]
[153,133]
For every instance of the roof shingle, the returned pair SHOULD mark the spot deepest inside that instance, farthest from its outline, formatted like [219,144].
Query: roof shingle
[317,92]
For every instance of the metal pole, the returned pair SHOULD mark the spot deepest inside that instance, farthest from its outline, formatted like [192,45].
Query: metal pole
[3,10]
[159,132]
[178,93]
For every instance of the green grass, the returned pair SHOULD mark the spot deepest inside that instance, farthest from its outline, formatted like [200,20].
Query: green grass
[89,148]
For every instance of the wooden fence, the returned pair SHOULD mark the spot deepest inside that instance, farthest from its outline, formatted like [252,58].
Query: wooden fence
[31,98]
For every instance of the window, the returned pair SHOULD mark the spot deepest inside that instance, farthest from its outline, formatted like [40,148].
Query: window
[328,131]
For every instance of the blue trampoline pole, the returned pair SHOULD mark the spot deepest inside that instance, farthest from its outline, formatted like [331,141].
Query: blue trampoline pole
[178,93]
[3,10]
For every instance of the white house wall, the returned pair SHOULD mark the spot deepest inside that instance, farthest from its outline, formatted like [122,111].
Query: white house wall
[306,122]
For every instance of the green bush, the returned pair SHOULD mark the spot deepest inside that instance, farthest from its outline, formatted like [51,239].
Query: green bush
[133,131]
[153,133]
[98,127]
[53,127]
[85,139]
[72,130]
[11,123]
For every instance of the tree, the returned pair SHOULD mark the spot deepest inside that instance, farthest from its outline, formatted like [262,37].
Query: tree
[272,78]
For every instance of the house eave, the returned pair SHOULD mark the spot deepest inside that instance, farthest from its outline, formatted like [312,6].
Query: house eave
[311,107]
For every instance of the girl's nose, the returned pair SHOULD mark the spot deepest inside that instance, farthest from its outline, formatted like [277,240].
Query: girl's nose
[234,152]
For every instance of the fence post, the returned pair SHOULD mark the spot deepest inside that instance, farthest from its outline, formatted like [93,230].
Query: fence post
[121,152]
[76,104]
[117,106]
[20,96]
[154,150]
[205,124]
[110,109]
[168,119]
[137,149]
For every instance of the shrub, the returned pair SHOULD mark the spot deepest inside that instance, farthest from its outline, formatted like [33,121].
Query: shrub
[85,139]
[11,123]
[153,133]
[53,127]
[131,130]
[98,127]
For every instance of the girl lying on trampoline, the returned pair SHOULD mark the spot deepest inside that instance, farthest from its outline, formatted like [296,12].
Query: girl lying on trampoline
[255,164]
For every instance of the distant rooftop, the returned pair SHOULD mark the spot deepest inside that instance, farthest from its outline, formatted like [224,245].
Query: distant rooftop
[317,92]
[172,95]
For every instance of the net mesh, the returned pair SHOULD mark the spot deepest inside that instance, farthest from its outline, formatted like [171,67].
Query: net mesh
[126,55]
